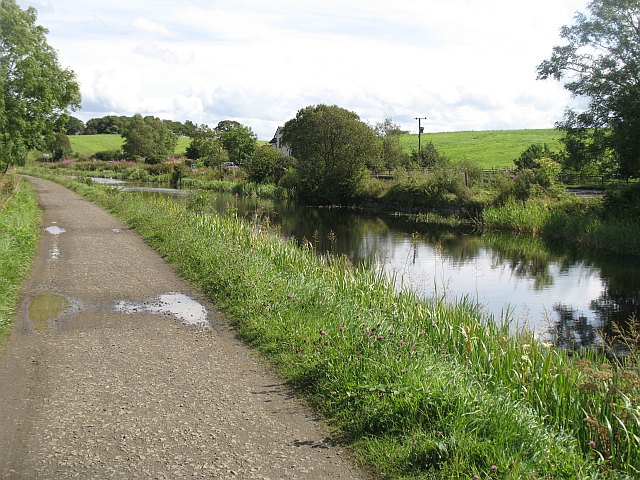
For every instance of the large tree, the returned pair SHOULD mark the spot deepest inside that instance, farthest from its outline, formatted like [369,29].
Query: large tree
[333,147]
[600,61]
[35,89]
[206,146]
[149,137]
[238,140]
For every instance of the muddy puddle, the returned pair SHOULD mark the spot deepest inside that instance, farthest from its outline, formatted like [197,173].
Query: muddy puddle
[177,305]
[54,230]
[43,309]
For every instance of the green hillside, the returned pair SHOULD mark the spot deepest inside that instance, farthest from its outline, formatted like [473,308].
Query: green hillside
[90,144]
[488,148]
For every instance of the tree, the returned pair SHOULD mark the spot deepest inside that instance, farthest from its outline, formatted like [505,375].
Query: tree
[238,140]
[534,152]
[205,146]
[109,125]
[60,146]
[332,146]
[268,165]
[601,62]
[70,125]
[35,89]
[392,155]
[148,137]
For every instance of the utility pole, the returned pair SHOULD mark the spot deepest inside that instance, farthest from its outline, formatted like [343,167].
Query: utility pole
[420,130]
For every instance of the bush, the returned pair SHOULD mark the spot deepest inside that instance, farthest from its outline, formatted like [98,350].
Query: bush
[109,155]
[154,159]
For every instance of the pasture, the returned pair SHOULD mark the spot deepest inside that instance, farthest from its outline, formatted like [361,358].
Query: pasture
[488,148]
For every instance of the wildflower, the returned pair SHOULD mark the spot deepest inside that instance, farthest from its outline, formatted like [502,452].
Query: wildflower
[476,477]
[433,325]
[323,332]
[381,337]
[494,468]
[403,371]
[341,328]
[414,346]
[402,343]
[592,444]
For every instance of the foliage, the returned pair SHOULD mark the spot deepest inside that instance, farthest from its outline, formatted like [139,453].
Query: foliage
[148,137]
[59,146]
[599,61]
[107,125]
[539,180]
[206,147]
[238,140]
[268,165]
[440,187]
[70,125]
[392,154]
[530,156]
[109,155]
[428,156]
[36,90]
[332,146]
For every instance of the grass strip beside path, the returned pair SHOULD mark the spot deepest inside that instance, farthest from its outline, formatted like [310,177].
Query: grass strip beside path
[20,222]
[419,389]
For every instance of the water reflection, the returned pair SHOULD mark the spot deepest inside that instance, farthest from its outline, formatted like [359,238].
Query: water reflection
[566,296]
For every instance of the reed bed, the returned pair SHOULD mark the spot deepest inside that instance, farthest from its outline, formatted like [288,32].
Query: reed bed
[418,389]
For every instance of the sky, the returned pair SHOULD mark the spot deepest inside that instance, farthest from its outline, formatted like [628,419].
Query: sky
[462,64]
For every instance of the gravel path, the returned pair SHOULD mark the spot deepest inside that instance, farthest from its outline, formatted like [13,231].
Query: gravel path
[101,379]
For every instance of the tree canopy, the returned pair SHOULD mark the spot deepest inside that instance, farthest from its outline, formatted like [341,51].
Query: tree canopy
[333,147]
[238,140]
[148,137]
[36,90]
[600,61]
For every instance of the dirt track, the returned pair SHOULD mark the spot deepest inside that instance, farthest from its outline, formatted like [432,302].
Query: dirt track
[91,387]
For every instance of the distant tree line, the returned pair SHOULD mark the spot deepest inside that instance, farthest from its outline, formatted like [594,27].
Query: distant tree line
[116,124]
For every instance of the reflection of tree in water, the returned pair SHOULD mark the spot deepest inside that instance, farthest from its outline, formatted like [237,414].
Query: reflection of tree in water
[526,256]
[573,330]
[618,302]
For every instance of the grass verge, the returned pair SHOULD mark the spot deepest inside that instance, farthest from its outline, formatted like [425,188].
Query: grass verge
[20,221]
[419,389]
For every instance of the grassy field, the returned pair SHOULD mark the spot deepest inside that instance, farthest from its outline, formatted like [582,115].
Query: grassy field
[90,144]
[489,149]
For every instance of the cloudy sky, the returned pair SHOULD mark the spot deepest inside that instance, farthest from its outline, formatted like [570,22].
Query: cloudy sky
[463,64]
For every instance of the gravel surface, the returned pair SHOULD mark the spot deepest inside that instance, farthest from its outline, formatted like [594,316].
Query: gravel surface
[92,390]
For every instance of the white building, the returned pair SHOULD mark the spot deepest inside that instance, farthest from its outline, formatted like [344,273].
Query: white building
[276,142]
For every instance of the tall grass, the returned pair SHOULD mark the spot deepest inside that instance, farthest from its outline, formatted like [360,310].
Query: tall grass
[579,223]
[20,221]
[419,389]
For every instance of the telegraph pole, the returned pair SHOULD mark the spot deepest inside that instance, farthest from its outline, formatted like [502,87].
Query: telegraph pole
[420,130]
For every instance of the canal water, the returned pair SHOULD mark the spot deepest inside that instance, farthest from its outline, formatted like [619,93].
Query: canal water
[566,296]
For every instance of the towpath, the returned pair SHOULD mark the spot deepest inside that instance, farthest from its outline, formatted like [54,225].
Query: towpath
[101,378]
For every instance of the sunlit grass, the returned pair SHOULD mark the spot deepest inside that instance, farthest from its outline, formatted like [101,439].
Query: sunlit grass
[419,389]
[20,221]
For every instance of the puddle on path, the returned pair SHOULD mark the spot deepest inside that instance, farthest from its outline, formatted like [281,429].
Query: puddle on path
[54,253]
[45,308]
[54,230]
[184,308]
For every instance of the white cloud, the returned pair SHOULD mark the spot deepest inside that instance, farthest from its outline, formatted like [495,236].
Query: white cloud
[463,64]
